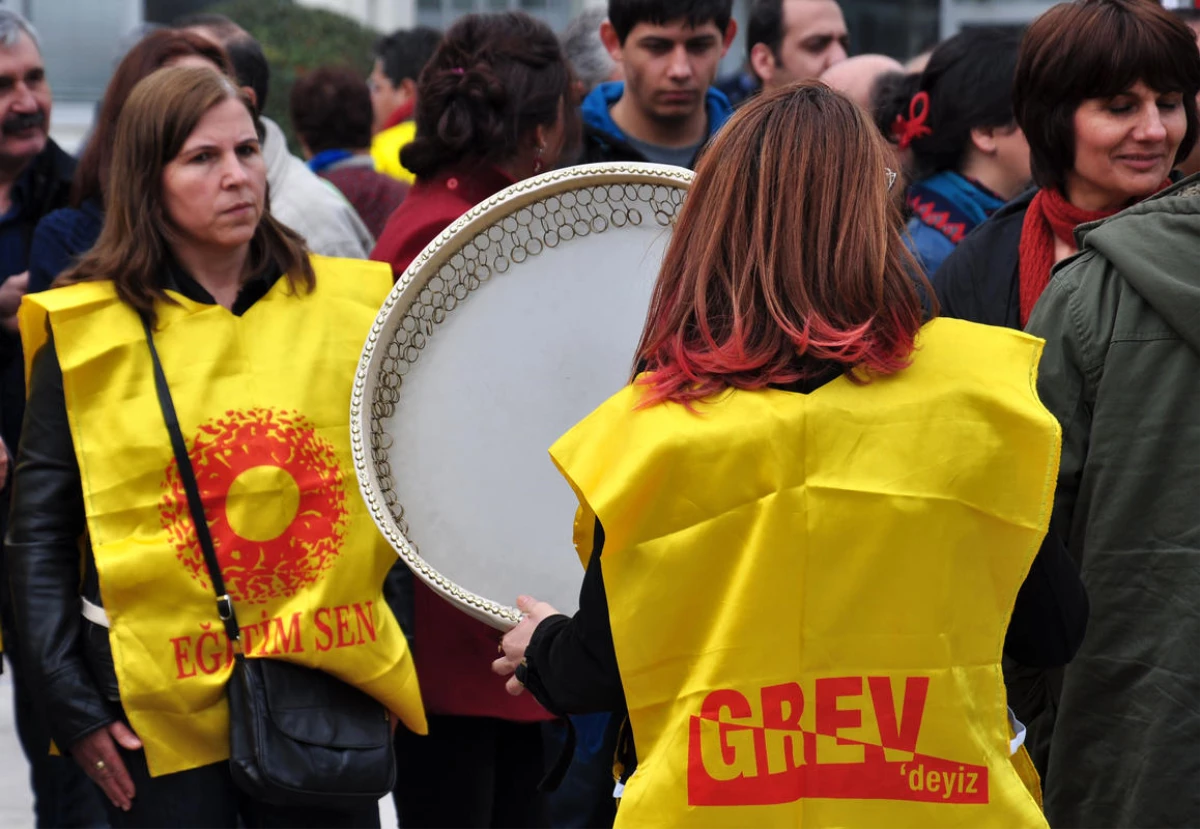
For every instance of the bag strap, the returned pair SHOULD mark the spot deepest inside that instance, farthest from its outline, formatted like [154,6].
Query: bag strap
[195,503]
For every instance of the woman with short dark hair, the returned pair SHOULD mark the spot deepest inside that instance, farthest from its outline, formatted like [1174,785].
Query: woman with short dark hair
[196,295]
[969,156]
[1121,372]
[1105,91]
[805,499]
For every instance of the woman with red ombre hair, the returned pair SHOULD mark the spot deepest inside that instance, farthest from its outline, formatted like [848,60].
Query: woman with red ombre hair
[805,494]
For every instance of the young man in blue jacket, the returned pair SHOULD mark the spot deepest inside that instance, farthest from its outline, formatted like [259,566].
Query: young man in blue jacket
[667,107]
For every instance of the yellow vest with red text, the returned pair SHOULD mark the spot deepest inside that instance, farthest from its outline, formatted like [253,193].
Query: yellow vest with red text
[263,402]
[809,593]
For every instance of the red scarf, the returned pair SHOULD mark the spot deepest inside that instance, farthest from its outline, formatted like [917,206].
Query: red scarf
[402,113]
[1050,216]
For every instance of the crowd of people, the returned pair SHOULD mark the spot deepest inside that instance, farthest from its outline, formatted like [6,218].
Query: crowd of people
[912,422]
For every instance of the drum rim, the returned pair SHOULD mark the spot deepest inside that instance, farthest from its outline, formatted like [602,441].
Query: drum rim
[404,293]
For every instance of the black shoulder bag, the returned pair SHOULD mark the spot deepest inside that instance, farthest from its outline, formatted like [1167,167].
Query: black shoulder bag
[298,736]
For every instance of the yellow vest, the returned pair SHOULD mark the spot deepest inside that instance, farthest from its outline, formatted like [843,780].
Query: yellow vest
[263,401]
[809,593]
[386,146]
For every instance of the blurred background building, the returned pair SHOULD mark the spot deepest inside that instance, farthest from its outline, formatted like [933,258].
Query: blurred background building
[82,39]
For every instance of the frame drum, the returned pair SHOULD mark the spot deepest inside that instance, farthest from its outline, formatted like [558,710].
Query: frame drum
[510,327]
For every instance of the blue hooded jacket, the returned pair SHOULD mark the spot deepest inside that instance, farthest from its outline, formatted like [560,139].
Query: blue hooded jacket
[946,207]
[603,140]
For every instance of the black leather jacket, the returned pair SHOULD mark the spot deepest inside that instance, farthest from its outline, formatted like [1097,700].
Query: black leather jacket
[49,563]
[68,658]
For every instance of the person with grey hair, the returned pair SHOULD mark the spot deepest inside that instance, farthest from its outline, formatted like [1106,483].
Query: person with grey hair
[585,51]
[35,178]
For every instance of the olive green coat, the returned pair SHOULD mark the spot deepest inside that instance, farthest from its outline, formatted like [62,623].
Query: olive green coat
[1121,371]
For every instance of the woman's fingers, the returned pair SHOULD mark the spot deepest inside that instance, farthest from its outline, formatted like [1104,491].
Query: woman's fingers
[124,735]
[97,755]
[535,610]
[515,642]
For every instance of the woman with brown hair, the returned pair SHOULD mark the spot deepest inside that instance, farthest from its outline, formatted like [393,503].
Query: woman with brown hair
[808,519]
[1105,92]
[195,313]
[63,235]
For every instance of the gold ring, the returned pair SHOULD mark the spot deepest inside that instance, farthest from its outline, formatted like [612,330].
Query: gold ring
[100,765]
[500,649]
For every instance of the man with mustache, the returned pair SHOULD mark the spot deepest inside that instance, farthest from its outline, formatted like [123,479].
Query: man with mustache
[666,108]
[35,174]
[35,178]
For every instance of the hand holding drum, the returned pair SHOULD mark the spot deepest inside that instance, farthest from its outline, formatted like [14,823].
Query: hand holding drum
[514,643]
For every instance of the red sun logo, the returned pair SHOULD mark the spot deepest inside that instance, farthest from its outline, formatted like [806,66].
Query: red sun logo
[274,498]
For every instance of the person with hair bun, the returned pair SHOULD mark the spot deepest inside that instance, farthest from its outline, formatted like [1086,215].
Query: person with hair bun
[493,108]
[969,156]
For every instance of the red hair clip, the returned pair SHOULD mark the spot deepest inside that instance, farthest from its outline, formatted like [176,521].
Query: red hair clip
[907,130]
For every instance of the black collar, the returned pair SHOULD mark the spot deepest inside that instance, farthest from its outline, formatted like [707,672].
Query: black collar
[177,279]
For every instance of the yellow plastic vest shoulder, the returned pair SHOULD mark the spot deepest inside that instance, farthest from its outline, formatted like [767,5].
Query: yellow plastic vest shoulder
[809,593]
[386,146]
[361,278]
[262,401]
[35,309]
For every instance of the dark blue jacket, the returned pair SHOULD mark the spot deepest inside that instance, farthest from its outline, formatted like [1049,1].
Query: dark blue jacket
[62,237]
[603,140]
[44,187]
